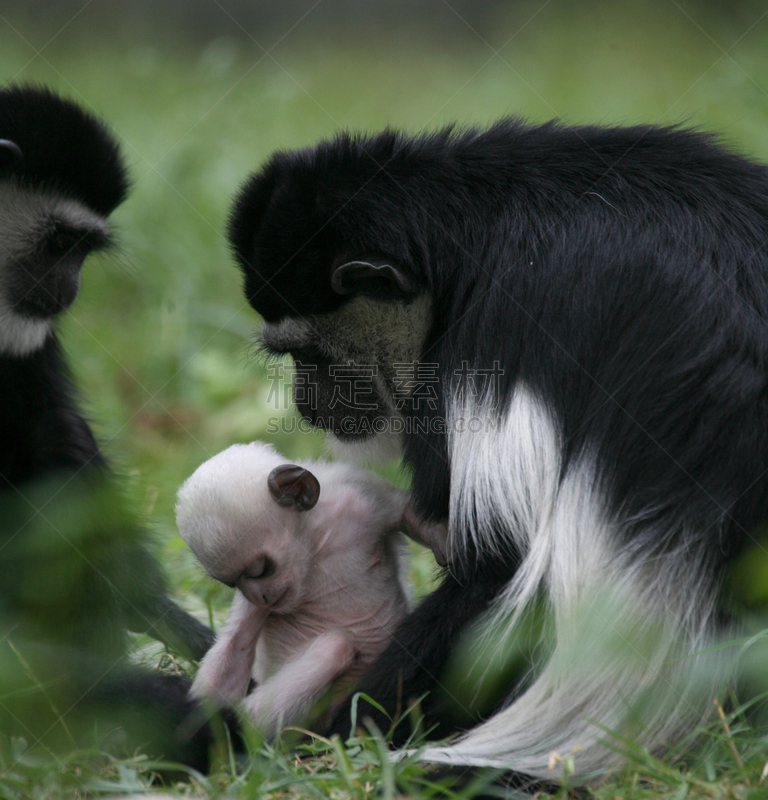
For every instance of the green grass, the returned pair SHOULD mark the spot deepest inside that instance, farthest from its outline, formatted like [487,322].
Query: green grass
[161,339]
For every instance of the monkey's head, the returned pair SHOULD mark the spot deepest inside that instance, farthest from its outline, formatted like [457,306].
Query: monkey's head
[61,175]
[242,513]
[340,287]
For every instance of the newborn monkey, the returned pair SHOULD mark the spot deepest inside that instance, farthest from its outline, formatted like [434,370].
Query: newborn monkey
[318,577]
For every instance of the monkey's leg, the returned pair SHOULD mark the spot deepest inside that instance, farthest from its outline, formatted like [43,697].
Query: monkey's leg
[159,716]
[412,664]
[225,671]
[287,694]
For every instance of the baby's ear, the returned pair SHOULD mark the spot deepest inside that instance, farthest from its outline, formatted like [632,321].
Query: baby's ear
[294,486]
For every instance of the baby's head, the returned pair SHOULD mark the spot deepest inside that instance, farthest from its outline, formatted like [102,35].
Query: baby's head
[242,513]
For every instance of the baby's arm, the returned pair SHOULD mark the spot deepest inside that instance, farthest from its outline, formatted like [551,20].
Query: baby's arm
[393,508]
[285,696]
[225,670]
[433,535]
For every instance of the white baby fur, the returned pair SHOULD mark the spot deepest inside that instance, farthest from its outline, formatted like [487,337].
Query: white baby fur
[344,560]
[25,217]
[615,642]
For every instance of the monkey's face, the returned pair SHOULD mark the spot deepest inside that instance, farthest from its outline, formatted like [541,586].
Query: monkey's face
[259,553]
[242,512]
[263,556]
[45,238]
[61,175]
[352,365]
[275,577]
[327,261]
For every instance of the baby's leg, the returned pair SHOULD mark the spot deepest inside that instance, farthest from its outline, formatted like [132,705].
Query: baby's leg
[286,695]
[226,668]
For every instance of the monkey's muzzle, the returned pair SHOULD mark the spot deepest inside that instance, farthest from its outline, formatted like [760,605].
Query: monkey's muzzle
[49,288]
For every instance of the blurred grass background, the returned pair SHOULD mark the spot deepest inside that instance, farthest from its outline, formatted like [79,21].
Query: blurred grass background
[200,93]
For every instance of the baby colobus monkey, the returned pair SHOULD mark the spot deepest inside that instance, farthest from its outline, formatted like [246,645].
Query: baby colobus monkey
[75,570]
[315,554]
[587,307]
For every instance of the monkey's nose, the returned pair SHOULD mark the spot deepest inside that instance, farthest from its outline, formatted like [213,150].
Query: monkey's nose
[253,591]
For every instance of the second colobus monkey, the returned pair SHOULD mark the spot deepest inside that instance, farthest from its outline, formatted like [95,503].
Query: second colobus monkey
[318,574]
[75,570]
[595,301]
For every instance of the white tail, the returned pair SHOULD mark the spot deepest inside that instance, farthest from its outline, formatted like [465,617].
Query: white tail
[630,613]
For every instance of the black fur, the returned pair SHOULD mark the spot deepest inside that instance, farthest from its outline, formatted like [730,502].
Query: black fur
[40,428]
[63,148]
[619,273]
[75,571]
[44,435]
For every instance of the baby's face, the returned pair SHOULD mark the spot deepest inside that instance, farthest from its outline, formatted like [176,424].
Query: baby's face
[242,529]
[264,558]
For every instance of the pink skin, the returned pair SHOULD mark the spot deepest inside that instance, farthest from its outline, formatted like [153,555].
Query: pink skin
[288,694]
[225,672]
[253,591]
[431,535]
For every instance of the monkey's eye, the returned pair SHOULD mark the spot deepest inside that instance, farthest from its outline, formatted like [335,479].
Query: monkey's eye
[269,568]
[261,568]
[62,238]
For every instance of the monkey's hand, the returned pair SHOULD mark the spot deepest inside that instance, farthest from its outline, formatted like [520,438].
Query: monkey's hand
[286,695]
[225,670]
[433,535]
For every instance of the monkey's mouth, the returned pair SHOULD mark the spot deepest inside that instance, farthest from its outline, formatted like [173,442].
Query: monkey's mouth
[47,290]
[348,427]
[254,594]
[49,298]
[46,284]
[338,398]
[281,601]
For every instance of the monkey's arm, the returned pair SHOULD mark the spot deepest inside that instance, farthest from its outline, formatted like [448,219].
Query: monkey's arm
[395,507]
[226,669]
[141,591]
[287,694]
[433,535]
[176,628]
[138,582]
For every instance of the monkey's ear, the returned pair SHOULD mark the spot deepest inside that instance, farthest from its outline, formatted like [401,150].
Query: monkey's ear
[294,486]
[9,152]
[349,276]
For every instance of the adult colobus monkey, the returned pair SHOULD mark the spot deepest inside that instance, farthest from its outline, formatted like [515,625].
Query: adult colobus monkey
[74,571]
[587,308]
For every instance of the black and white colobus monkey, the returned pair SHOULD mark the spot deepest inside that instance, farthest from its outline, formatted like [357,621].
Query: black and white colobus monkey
[590,305]
[74,569]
